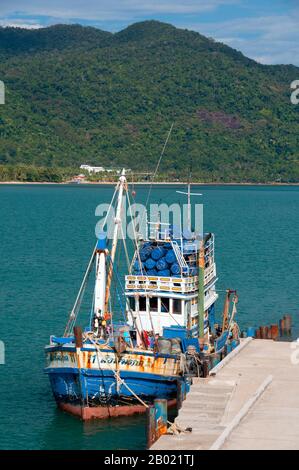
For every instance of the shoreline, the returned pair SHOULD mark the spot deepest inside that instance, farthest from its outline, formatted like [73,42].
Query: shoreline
[143,183]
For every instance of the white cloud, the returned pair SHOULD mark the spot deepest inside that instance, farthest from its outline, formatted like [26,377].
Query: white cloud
[107,10]
[16,23]
[270,39]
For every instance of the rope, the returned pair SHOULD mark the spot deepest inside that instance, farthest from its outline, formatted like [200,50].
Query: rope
[125,247]
[156,170]
[175,429]
[116,374]
[129,308]
[75,310]
[135,235]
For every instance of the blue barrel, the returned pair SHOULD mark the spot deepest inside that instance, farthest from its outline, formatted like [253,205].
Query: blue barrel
[152,272]
[164,273]
[157,253]
[251,332]
[162,264]
[167,246]
[137,266]
[146,244]
[145,253]
[150,263]
[170,257]
[175,268]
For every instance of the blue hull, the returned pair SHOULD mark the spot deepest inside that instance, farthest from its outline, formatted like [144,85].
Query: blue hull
[100,388]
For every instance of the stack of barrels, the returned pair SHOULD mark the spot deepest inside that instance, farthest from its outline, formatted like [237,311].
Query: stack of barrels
[283,329]
[154,260]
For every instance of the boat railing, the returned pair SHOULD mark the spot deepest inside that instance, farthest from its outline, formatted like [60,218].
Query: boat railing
[210,273]
[159,231]
[168,284]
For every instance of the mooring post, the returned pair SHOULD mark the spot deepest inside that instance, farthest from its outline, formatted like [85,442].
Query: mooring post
[150,426]
[288,324]
[281,327]
[181,394]
[156,421]
[161,417]
[78,336]
[274,331]
[205,368]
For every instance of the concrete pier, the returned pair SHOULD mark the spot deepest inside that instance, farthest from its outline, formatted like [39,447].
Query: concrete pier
[252,402]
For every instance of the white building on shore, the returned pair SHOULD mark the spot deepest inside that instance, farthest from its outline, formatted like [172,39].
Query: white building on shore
[99,169]
[92,169]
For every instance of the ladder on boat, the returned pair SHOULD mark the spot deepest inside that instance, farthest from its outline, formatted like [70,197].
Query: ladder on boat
[180,258]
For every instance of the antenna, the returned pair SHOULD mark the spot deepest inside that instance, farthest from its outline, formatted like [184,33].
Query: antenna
[156,171]
[189,194]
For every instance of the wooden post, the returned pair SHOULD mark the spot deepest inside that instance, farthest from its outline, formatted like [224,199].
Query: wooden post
[161,417]
[156,421]
[225,320]
[205,366]
[78,336]
[282,327]
[288,324]
[274,331]
[201,290]
[264,332]
[181,394]
[150,426]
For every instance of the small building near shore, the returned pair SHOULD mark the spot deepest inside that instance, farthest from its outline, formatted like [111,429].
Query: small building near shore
[92,169]
[100,169]
[79,179]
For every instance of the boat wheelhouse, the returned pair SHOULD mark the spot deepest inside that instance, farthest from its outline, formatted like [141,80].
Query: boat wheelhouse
[168,298]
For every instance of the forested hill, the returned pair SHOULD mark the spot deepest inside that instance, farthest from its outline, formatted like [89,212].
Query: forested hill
[81,95]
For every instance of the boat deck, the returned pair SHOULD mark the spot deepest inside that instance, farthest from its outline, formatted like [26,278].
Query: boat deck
[252,402]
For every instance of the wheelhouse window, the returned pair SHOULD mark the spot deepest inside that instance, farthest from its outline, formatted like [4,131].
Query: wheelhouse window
[142,304]
[164,305]
[153,304]
[132,303]
[177,306]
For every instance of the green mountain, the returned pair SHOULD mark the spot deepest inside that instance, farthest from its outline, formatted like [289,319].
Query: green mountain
[80,95]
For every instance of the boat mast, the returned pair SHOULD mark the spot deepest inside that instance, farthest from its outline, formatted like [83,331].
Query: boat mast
[122,186]
[100,283]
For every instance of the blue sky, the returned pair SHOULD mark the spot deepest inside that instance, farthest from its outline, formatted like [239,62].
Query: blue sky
[265,30]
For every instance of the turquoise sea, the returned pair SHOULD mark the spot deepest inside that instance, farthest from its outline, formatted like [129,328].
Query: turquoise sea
[47,234]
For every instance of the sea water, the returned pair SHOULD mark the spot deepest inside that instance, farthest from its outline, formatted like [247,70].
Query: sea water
[47,236]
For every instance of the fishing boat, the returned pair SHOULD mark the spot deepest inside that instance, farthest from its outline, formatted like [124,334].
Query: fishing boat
[169,332]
